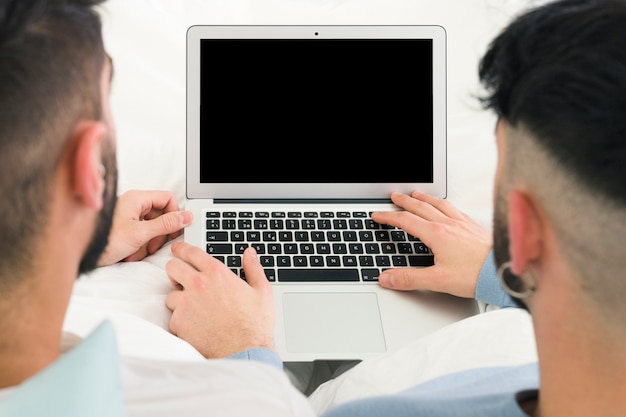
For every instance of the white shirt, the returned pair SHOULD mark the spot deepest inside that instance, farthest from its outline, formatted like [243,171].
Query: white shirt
[92,379]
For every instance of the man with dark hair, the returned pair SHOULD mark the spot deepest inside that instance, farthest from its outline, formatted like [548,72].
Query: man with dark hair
[556,78]
[58,185]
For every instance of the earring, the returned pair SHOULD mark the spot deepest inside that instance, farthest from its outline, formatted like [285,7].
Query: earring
[102,170]
[519,286]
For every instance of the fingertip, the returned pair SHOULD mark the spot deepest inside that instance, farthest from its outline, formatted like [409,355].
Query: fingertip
[175,246]
[251,254]
[395,195]
[400,199]
[254,272]
[386,279]
[186,217]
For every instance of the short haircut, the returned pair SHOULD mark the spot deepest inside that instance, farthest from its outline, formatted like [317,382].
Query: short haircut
[560,71]
[51,59]
[557,75]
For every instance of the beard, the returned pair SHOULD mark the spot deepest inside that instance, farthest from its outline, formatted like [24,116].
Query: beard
[501,238]
[100,238]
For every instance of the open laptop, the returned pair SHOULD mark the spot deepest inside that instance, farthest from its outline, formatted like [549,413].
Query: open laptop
[298,129]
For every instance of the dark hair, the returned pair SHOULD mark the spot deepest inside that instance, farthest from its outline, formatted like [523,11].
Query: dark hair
[560,71]
[51,59]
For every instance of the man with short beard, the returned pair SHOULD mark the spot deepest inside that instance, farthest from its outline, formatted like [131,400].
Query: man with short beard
[556,79]
[58,180]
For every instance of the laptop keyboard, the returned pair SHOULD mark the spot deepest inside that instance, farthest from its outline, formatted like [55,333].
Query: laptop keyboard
[309,246]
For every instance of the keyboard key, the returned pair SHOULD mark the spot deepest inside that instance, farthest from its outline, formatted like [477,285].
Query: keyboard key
[219,248]
[425,260]
[299,246]
[318,275]
[370,274]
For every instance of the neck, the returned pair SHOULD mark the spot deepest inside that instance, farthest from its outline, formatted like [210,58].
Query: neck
[33,313]
[34,343]
[583,368]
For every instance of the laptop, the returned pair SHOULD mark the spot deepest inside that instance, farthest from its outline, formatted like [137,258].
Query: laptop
[295,135]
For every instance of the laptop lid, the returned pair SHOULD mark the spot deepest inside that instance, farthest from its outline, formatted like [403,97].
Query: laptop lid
[315,112]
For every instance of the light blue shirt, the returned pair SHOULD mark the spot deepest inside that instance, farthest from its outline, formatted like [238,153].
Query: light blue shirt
[85,382]
[488,288]
[480,392]
[259,354]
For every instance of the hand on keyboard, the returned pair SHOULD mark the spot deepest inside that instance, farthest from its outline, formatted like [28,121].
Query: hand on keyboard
[214,310]
[459,244]
[312,245]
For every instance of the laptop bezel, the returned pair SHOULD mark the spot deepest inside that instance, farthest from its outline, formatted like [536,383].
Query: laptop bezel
[313,191]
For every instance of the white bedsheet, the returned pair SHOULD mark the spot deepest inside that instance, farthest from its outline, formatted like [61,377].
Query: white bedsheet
[146,39]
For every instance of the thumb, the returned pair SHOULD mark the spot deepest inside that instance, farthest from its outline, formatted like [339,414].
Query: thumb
[253,269]
[166,224]
[405,279]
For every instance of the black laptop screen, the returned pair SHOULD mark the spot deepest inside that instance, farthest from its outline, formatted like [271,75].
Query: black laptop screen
[316,110]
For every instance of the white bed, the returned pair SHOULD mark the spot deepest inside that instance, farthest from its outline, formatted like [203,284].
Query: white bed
[146,39]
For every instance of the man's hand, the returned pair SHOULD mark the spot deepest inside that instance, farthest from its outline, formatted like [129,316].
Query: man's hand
[143,221]
[459,244]
[213,309]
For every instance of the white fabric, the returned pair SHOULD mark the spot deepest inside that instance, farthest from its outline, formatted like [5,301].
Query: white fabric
[90,380]
[131,295]
[146,39]
[158,388]
[497,338]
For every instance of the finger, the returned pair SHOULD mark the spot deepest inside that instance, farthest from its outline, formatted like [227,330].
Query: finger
[177,270]
[405,220]
[140,254]
[414,211]
[418,207]
[164,225]
[173,299]
[441,204]
[407,279]
[191,265]
[255,276]
[156,212]
[156,243]
[162,201]
[197,258]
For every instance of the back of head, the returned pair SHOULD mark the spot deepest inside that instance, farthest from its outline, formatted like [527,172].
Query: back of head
[557,75]
[51,57]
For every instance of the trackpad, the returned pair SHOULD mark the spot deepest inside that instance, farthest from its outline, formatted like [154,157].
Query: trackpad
[332,322]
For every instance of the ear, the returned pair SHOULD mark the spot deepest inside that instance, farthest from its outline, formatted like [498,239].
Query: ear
[87,178]
[525,230]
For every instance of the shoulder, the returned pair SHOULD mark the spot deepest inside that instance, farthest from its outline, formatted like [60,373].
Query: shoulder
[225,386]
[477,392]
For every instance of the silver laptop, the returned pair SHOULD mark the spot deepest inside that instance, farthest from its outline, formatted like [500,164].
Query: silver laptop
[295,135]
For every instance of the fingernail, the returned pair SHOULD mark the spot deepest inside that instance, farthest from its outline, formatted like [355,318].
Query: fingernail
[185,217]
[386,279]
